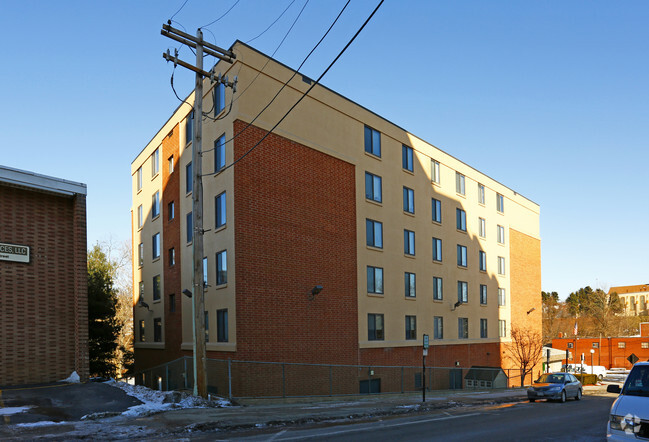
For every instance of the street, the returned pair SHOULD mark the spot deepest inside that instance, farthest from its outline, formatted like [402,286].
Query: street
[573,420]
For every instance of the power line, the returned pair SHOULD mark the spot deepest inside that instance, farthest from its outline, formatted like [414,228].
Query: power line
[306,93]
[271,25]
[180,9]
[289,80]
[224,14]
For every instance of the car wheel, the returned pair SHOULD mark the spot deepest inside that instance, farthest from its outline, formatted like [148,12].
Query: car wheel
[578,397]
[563,396]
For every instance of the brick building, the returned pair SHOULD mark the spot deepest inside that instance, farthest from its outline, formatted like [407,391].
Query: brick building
[43,278]
[404,239]
[610,352]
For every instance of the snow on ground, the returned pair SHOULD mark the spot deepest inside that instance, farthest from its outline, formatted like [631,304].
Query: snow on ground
[73,378]
[8,411]
[39,424]
[154,401]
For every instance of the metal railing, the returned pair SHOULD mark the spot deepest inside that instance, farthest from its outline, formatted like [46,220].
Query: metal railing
[254,379]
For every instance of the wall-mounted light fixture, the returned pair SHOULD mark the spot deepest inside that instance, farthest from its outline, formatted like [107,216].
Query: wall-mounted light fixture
[457,304]
[187,293]
[314,291]
[141,303]
[531,310]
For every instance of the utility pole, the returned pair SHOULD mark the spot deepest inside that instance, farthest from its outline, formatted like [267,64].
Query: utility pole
[198,287]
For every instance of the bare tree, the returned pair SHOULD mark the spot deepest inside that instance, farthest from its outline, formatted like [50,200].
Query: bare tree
[525,350]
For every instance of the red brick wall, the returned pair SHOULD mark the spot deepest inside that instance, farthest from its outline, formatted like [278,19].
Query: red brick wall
[484,354]
[43,304]
[295,227]
[609,354]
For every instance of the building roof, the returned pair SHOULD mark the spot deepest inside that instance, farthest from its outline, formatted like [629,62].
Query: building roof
[621,290]
[22,178]
[483,373]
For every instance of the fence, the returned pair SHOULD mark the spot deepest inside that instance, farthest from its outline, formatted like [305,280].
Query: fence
[252,379]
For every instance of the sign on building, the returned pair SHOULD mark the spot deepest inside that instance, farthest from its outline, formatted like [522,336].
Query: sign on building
[14,252]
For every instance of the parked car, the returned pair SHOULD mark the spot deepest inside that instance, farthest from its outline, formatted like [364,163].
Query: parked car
[555,386]
[629,416]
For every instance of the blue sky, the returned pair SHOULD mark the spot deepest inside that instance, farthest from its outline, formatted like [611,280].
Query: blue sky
[550,98]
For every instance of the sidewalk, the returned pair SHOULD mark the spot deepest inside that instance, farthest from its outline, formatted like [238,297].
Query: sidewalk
[253,414]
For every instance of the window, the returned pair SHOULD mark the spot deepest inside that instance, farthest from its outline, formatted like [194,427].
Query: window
[155,207]
[157,329]
[460,216]
[482,227]
[205,272]
[459,183]
[483,294]
[190,227]
[188,178]
[406,158]
[501,265]
[438,326]
[500,203]
[410,285]
[207,327]
[170,163]
[437,249]
[501,235]
[219,98]
[156,246]
[189,128]
[463,328]
[142,332]
[374,233]
[595,344]
[140,216]
[171,211]
[374,280]
[221,214]
[462,292]
[480,193]
[140,254]
[411,328]
[372,141]
[438,288]
[502,330]
[408,200]
[483,327]
[156,288]
[219,153]
[172,257]
[222,325]
[221,268]
[138,178]
[142,290]
[434,171]
[375,327]
[461,255]
[437,210]
[483,261]
[569,344]
[155,162]
[172,303]
[409,242]
[502,297]
[621,345]
[373,187]
[644,344]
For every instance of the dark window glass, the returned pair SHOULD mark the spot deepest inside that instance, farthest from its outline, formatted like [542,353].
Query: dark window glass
[406,158]
[411,327]
[374,280]
[437,210]
[221,215]
[375,327]
[461,219]
[372,141]
[222,325]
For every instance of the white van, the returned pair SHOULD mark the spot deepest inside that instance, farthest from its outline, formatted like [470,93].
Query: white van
[629,416]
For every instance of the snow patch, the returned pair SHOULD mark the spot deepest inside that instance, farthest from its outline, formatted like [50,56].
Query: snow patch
[8,411]
[39,424]
[73,378]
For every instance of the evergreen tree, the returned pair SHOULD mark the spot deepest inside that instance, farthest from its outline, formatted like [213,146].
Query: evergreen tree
[103,326]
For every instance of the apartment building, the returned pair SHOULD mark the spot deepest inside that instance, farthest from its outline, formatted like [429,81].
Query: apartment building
[43,278]
[340,239]
[634,298]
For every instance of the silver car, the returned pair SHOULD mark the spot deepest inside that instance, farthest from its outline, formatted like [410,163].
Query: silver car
[555,386]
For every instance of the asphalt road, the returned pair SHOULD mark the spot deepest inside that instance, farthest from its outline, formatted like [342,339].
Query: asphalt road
[573,420]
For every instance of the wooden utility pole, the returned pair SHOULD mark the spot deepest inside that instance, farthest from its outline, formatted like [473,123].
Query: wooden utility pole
[198,287]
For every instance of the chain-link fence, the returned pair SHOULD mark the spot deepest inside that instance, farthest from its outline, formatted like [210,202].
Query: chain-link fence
[251,379]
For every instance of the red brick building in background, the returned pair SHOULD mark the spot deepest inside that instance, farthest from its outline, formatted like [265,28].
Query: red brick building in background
[613,352]
[43,278]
